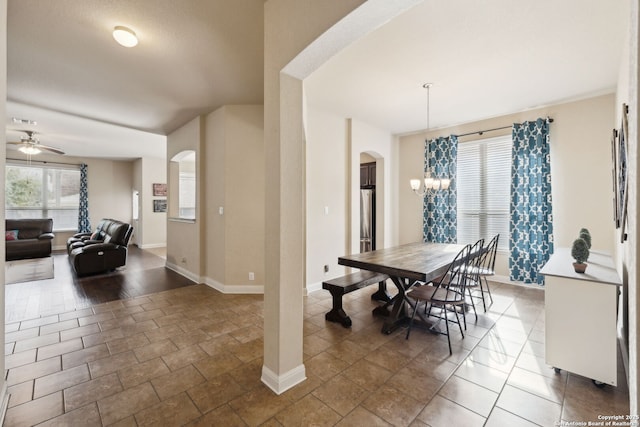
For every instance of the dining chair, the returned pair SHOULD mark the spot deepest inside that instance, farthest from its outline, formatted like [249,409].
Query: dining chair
[471,272]
[447,293]
[487,268]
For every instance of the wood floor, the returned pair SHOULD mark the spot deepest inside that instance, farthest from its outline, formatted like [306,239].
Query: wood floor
[144,274]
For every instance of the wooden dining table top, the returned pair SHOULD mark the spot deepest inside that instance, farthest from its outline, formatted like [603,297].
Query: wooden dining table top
[422,261]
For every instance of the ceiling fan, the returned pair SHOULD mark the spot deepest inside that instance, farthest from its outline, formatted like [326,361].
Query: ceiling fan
[31,145]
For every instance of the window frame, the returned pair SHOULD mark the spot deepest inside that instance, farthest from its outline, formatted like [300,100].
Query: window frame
[485,211]
[45,208]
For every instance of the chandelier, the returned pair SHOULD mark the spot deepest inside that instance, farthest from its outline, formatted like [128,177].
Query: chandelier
[430,184]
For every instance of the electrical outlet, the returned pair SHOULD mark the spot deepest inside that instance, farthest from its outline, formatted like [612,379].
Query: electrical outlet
[326,268]
[252,276]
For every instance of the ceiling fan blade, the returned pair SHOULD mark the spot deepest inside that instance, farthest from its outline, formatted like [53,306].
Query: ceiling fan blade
[51,149]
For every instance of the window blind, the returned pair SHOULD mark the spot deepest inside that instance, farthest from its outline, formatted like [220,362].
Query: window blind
[483,182]
[49,191]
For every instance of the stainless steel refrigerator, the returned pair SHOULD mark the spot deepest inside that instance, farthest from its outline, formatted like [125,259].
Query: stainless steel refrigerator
[367,220]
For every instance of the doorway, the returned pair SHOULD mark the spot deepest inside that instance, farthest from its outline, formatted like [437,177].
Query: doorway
[135,214]
[370,202]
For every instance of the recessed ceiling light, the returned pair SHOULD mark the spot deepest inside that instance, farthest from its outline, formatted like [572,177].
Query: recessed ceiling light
[125,36]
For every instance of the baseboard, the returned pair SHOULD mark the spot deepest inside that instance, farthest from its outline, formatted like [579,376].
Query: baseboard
[59,248]
[225,289]
[183,272]
[281,383]
[507,281]
[313,287]
[233,289]
[152,245]
[5,402]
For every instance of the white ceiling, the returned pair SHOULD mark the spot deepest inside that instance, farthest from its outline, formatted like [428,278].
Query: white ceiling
[485,58]
[93,98]
[193,57]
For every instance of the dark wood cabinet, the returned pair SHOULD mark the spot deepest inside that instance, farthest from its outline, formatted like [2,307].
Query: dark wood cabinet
[367,174]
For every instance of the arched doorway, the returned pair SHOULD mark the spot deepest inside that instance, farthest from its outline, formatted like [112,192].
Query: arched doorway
[372,201]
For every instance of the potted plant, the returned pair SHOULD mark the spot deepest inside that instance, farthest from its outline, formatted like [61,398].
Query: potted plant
[580,252]
[586,236]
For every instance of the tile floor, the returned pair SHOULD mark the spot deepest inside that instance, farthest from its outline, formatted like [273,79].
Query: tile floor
[192,356]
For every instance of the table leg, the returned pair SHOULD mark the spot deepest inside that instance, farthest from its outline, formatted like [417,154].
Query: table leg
[381,294]
[398,316]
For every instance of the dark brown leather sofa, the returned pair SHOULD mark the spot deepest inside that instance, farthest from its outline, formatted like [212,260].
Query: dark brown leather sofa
[103,250]
[33,238]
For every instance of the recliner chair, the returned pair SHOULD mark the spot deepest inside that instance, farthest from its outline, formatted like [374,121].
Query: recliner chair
[91,256]
[96,236]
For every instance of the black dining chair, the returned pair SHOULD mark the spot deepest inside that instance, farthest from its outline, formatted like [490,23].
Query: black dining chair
[447,293]
[471,272]
[487,268]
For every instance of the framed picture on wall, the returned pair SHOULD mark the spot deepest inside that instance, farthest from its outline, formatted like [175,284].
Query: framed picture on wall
[160,190]
[614,174]
[159,205]
[622,181]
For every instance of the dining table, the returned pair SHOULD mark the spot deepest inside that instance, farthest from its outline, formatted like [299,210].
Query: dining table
[406,265]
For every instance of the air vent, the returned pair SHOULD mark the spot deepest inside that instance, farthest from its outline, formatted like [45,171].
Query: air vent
[23,121]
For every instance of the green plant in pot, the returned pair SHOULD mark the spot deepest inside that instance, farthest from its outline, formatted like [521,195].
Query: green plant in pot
[580,252]
[586,236]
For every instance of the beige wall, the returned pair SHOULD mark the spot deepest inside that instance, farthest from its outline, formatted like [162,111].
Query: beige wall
[627,253]
[152,226]
[234,155]
[379,144]
[335,148]
[138,228]
[245,195]
[327,187]
[580,169]
[184,246]
[214,194]
[4,397]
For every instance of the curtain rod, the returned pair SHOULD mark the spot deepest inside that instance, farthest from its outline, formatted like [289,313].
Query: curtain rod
[42,161]
[480,132]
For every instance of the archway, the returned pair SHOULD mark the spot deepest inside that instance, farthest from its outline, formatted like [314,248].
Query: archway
[289,59]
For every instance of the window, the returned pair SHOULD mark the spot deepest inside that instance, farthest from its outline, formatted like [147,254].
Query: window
[43,192]
[182,175]
[483,182]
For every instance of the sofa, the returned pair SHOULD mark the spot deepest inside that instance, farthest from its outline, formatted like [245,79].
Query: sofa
[103,250]
[28,238]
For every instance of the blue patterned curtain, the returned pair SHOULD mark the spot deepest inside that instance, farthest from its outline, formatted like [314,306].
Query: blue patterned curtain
[531,239]
[84,226]
[440,207]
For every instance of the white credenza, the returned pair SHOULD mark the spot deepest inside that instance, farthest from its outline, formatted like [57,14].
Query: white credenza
[581,316]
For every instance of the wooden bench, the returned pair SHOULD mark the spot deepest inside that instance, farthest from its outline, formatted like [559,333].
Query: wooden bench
[349,283]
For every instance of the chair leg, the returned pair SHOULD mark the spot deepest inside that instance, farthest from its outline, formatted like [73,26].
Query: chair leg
[486,282]
[446,323]
[473,304]
[415,308]
[464,319]
[484,303]
[455,311]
